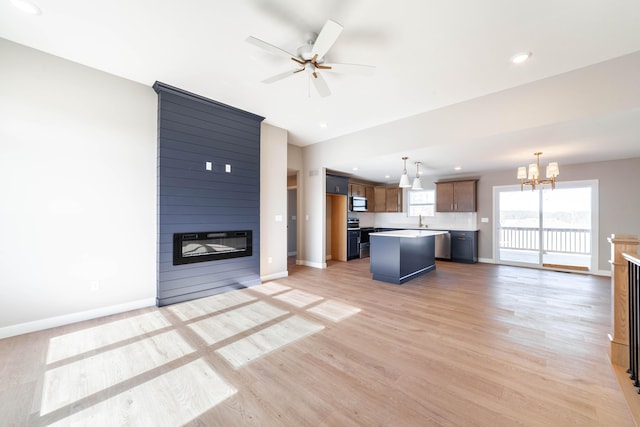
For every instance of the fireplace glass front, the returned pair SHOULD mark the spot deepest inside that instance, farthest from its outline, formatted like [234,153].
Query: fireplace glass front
[210,246]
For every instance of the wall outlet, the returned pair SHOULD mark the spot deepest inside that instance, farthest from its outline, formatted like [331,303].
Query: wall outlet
[227,168]
[484,219]
[278,218]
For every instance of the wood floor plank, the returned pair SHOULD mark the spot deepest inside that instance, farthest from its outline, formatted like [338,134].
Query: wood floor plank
[476,345]
[225,325]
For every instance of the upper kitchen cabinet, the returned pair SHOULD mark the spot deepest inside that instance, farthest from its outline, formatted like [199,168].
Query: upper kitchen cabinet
[337,184]
[387,199]
[456,196]
[357,190]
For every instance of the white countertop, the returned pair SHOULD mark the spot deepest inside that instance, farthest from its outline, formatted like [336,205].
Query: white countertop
[430,227]
[409,233]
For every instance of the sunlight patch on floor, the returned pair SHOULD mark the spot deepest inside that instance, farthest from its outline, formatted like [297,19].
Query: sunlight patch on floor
[230,323]
[174,398]
[243,351]
[270,288]
[298,298]
[72,344]
[74,381]
[334,310]
[200,307]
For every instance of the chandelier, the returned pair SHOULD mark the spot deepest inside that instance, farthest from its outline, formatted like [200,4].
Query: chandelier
[533,177]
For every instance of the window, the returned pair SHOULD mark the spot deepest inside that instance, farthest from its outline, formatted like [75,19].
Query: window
[422,202]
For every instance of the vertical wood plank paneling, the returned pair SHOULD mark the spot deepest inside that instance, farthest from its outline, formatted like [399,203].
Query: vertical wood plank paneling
[193,130]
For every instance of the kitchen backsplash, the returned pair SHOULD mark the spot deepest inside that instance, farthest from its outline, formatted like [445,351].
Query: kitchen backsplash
[441,220]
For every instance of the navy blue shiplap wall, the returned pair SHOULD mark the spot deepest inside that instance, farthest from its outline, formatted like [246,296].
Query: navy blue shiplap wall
[193,130]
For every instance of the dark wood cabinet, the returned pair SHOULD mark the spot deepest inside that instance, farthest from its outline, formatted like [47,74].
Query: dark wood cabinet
[357,190]
[464,246]
[380,199]
[394,199]
[387,199]
[456,196]
[370,195]
[337,184]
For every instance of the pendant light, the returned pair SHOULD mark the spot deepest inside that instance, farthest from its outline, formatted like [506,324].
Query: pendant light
[417,184]
[404,179]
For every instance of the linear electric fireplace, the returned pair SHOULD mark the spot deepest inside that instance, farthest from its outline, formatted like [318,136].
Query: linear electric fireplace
[210,246]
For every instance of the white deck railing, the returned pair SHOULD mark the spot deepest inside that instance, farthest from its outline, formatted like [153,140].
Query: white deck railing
[562,240]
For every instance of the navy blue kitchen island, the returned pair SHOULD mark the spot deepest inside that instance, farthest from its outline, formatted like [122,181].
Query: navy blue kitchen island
[399,256]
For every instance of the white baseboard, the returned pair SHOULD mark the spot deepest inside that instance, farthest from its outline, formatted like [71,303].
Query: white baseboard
[65,319]
[487,260]
[606,273]
[274,276]
[311,264]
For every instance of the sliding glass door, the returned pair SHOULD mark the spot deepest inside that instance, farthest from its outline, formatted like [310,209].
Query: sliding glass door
[547,228]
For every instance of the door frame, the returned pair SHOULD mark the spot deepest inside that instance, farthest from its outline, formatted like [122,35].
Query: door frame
[595,220]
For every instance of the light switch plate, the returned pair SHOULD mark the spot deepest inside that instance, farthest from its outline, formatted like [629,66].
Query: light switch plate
[208,166]
[484,219]
[227,168]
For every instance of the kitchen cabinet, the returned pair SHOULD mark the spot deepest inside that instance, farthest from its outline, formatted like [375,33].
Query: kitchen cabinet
[371,197]
[394,199]
[456,196]
[387,199]
[337,184]
[357,190]
[353,244]
[380,199]
[464,246]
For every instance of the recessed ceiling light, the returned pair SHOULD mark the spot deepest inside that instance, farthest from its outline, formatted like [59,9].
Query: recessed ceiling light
[27,6]
[457,168]
[355,168]
[519,58]
[387,176]
[323,125]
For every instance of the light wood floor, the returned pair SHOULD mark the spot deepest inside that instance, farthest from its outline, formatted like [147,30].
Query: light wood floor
[464,345]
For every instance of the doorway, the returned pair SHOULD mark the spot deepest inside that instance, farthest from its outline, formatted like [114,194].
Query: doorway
[547,228]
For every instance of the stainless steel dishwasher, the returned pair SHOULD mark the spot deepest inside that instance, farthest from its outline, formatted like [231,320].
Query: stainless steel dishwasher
[443,246]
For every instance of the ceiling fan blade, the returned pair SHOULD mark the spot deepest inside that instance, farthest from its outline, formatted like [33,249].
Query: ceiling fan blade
[363,70]
[321,85]
[280,76]
[271,48]
[326,38]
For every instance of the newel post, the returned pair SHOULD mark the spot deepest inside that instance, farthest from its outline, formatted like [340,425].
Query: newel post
[620,243]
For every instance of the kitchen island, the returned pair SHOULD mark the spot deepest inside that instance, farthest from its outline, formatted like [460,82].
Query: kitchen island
[400,255]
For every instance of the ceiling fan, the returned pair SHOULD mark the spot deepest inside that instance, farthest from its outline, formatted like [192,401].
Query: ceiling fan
[310,57]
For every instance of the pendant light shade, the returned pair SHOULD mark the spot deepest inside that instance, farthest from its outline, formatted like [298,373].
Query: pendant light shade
[404,179]
[534,177]
[417,183]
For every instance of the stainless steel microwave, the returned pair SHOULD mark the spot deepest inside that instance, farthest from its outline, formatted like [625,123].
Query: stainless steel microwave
[358,204]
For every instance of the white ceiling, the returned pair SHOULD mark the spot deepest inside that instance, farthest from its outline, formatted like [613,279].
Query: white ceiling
[429,54]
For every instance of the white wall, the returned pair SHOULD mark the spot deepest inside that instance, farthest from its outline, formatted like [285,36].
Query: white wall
[273,202]
[78,192]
